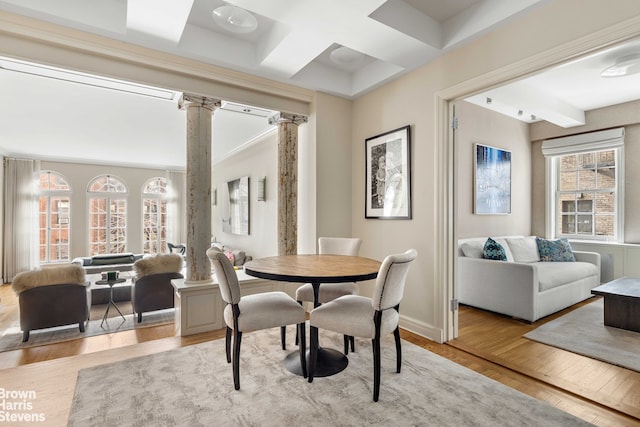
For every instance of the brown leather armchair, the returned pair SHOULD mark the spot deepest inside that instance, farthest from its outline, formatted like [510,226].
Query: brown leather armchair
[153,292]
[51,297]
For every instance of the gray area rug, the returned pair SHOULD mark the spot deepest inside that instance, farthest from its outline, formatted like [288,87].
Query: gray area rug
[583,331]
[11,338]
[193,386]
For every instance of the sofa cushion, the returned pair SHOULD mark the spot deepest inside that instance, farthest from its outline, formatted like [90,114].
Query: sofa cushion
[161,263]
[524,249]
[60,275]
[494,250]
[555,250]
[108,259]
[554,274]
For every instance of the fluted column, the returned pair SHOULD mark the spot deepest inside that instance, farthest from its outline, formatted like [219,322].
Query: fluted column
[287,181]
[199,112]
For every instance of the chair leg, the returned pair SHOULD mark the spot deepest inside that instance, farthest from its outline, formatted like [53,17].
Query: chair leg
[139,317]
[227,344]
[376,369]
[396,334]
[25,336]
[299,302]
[81,326]
[346,344]
[283,337]
[303,348]
[313,356]
[237,340]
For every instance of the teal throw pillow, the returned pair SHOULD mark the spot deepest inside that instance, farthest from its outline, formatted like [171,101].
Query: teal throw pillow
[555,250]
[494,250]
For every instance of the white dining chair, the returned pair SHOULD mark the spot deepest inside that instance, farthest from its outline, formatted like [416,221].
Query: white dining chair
[330,291]
[253,312]
[360,316]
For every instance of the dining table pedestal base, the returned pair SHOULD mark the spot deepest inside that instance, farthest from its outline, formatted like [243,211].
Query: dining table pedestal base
[329,362]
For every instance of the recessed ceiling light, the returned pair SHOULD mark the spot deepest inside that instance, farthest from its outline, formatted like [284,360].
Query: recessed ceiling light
[235,19]
[345,56]
[624,66]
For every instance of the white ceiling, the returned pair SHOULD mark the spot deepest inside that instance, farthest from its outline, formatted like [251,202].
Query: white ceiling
[293,43]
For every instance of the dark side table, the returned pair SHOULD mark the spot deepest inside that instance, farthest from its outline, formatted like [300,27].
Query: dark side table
[621,303]
[111,302]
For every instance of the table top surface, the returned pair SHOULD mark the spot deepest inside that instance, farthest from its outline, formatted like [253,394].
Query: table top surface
[110,282]
[314,268]
[624,286]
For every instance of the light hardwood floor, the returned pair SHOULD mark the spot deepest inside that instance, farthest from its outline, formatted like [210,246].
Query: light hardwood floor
[489,344]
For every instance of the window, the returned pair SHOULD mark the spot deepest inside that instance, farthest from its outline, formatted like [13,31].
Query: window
[54,217]
[154,216]
[585,194]
[107,215]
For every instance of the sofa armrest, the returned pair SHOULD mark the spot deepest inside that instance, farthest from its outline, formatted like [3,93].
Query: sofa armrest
[509,288]
[590,257]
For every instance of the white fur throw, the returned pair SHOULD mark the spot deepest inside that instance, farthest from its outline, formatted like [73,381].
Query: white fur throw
[161,263]
[62,275]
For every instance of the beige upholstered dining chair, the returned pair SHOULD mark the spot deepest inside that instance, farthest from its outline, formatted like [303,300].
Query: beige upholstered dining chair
[253,312]
[374,317]
[330,291]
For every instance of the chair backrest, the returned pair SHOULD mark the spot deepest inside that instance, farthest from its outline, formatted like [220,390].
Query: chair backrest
[226,275]
[391,279]
[339,246]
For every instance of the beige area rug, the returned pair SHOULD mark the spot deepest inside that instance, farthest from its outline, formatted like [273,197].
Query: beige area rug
[193,386]
[11,338]
[583,331]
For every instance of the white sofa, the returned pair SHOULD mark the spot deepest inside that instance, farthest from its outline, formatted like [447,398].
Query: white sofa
[523,287]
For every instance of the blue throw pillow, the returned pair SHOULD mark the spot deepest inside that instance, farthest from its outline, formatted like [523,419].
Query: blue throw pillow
[555,250]
[493,250]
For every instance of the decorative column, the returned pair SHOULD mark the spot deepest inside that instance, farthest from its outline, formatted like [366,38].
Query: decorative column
[198,200]
[287,181]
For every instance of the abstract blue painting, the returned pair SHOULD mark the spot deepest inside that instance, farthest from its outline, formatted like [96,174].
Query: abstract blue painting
[492,180]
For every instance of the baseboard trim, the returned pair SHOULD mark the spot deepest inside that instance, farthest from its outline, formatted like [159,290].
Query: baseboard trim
[423,329]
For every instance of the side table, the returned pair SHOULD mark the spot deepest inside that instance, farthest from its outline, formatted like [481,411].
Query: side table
[111,302]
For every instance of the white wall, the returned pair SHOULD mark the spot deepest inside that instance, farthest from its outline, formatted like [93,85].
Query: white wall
[483,126]
[257,161]
[79,175]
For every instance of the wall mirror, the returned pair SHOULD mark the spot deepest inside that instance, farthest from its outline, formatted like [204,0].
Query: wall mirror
[237,221]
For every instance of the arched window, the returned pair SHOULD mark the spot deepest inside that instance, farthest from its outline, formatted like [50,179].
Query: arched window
[54,217]
[107,215]
[154,216]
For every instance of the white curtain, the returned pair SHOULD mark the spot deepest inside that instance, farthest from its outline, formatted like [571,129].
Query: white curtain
[176,208]
[21,230]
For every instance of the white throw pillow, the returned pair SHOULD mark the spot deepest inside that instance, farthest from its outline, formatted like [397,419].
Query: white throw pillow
[524,249]
[473,249]
[507,250]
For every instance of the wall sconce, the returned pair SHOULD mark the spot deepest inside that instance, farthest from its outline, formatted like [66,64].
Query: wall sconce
[214,197]
[262,189]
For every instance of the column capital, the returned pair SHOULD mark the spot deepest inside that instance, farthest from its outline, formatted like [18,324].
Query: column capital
[296,119]
[200,101]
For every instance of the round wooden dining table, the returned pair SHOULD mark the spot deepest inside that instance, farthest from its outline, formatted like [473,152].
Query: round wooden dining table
[315,269]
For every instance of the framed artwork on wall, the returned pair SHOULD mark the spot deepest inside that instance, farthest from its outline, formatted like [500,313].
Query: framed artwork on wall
[492,180]
[388,175]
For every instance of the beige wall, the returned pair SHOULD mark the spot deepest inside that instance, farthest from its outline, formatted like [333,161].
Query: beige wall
[627,115]
[79,176]
[483,126]
[410,100]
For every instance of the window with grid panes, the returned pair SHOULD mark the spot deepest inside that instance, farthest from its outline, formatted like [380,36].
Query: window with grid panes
[107,215]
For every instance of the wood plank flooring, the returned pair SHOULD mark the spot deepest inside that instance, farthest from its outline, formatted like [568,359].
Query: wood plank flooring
[489,344]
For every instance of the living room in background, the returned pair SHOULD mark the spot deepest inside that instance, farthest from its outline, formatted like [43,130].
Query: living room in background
[107,215]
[154,216]
[54,217]
[584,195]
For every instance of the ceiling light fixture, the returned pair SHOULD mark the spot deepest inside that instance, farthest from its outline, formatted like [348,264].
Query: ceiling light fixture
[235,19]
[86,79]
[624,66]
[344,56]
